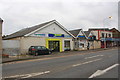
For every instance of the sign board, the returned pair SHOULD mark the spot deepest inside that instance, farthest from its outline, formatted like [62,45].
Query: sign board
[41,35]
[55,35]
[81,36]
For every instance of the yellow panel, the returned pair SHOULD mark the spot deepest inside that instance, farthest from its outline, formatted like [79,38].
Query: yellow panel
[54,39]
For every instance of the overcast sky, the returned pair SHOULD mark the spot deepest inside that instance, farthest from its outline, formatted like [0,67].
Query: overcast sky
[72,14]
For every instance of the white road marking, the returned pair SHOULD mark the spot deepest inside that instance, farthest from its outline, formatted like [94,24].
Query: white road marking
[101,72]
[28,75]
[86,62]
[93,56]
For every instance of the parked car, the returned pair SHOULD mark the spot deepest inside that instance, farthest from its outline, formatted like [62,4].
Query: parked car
[37,50]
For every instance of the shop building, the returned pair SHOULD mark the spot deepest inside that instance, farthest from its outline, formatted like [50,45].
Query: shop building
[93,42]
[80,40]
[50,34]
[115,36]
[104,35]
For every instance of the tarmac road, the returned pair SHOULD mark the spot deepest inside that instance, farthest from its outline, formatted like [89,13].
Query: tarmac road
[72,66]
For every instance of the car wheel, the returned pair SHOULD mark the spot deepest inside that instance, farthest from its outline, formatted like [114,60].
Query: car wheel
[50,52]
[36,54]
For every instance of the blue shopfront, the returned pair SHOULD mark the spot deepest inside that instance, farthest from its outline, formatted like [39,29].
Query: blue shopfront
[106,42]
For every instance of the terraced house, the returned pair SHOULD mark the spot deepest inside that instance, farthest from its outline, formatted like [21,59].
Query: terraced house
[80,40]
[94,43]
[50,34]
[116,37]
[104,35]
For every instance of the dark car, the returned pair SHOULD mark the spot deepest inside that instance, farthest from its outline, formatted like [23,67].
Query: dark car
[36,50]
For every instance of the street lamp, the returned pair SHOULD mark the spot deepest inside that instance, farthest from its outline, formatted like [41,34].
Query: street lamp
[104,30]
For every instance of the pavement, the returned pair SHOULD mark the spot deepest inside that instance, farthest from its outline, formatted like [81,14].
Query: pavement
[66,66]
[28,57]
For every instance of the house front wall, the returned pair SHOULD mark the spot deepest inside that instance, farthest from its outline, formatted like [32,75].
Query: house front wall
[106,33]
[51,36]
[61,41]
[83,44]
[98,34]
[52,28]
[95,44]
[26,42]
[80,44]
[81,41]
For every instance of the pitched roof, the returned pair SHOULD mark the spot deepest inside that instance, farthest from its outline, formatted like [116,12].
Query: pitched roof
[114,29]
[75,32]
[87,33]
[25,31]
[107,29]
[1,20]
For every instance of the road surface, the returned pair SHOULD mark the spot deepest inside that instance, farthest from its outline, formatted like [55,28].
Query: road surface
[72,66]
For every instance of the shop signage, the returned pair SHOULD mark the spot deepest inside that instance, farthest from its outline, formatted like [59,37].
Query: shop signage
[116,39]
[81,36]
[92,37]
[42,35]
[107,39]
[56,35]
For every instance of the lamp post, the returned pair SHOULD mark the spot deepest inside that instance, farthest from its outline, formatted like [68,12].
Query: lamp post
[104,30]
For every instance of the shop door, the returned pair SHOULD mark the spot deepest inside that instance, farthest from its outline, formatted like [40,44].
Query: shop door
[54,46]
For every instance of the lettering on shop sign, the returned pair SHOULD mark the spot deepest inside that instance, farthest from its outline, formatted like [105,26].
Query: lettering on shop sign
[56,35]
[41,35]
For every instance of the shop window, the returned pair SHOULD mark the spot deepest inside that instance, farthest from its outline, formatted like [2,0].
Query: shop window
[81,44]
[109,35]
[102,35]
[106,35]
[94,37]
[67,45]
[76,44]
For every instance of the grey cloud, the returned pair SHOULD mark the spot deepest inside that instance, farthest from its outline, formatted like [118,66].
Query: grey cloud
[71,14]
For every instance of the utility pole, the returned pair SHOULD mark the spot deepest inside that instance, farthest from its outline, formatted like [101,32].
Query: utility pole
[1,21]
[104,30]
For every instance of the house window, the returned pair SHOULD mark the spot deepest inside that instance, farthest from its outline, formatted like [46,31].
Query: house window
[106,35]
[67,45]
[82,45]
[102,35]
[76,44]
[109,35]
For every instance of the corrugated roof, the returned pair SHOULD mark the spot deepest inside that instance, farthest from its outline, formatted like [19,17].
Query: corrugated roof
[25,31]
[75,32]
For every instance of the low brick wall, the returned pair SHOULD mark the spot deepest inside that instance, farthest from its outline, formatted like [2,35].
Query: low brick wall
[11,51]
